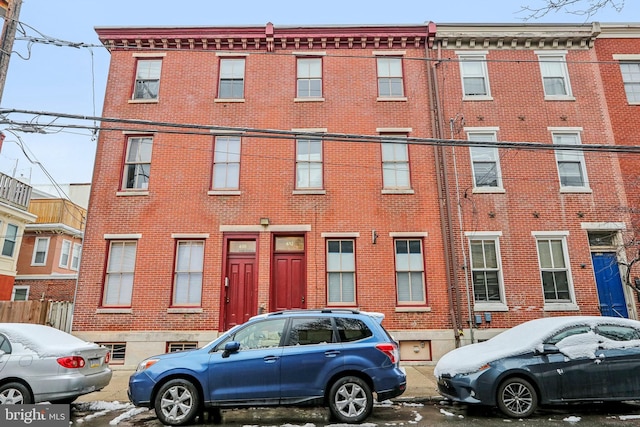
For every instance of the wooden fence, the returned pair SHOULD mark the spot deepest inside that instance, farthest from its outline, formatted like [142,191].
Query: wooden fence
[53,313]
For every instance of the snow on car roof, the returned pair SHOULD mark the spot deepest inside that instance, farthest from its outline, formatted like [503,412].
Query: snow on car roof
[520,339]
[44,340]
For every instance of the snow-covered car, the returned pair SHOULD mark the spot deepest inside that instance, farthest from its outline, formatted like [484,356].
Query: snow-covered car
[43,364]
[546,361]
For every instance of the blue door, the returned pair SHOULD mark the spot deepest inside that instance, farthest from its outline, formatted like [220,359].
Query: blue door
[610,292]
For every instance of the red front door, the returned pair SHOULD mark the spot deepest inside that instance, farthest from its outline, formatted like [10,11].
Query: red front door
[289,274]
[240,284]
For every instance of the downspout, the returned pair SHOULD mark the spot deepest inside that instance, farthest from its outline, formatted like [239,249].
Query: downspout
[444,204]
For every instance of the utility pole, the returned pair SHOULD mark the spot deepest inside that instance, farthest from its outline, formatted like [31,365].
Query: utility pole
[8,37]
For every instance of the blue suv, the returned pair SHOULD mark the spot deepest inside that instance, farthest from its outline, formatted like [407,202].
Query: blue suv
[334,358]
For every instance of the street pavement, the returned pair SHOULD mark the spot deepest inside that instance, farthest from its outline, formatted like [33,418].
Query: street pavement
[421,386]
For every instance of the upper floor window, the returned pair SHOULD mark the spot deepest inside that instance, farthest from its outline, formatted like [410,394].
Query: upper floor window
[554,271]
[137,163]
[75,256]
[65,253]
[226,163]
[631,78]
[571,164]
[341,272]
[40,250]
[555,75]
[390,83]
[485,269]
[231,78]
[309,163]
[395,165]
[309,78]
[188,273]
[147,79]
[409,271]
[10,240]
[118,286]
[475,76]
[485,161]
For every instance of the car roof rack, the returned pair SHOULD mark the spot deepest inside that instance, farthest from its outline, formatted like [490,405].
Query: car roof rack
[316,310]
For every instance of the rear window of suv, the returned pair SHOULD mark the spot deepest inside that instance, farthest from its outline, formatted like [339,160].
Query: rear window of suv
[352,329]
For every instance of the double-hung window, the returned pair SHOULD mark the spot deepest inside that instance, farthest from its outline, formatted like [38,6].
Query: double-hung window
[308,164]
[631,78]
[75,256]
[137,163]
[118,286]
[309,78]
[555,75]
[10,240]
[147,79]
[395,163]
[65,254]
[485,161]
[485,269]
[341,272]
[409,272]
[554,268]
[40,251]
[571,163]
[390,84]
[231,78]
[226,163]
[188,273]
[474,74]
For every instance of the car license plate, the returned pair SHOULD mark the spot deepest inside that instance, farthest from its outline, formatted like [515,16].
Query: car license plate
[94,363]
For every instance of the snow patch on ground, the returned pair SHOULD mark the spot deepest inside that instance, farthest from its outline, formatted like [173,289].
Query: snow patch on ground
[572,419]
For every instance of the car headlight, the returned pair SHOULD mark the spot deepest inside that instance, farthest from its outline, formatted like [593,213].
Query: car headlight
[145,364]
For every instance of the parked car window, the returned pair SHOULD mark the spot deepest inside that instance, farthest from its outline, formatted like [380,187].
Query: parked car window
[618,332]
[5,345]
[260,335]
[306,331]
[352,329]
[554,339]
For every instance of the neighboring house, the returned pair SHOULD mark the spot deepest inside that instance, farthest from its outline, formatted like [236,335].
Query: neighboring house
[273,168]
[14,217]
[49,259]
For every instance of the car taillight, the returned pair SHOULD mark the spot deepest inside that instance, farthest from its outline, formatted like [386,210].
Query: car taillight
[391,350]
[107,358]
[71,362]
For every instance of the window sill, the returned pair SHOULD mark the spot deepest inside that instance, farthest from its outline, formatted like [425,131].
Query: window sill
[184,310]
[488,190]
[398,191]
[318,192]
[143,101]
[413,309]
[132,193]
[574,190]
[559,98]
[224,192]
[561,306]
[490,306]
[114,311]
[477,98]
[228,100]
[392,98]
[310,99]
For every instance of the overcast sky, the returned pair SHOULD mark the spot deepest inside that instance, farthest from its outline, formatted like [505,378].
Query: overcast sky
[72,80]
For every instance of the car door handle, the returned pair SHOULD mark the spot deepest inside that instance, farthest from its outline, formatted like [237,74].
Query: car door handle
[271,359]
[332,353]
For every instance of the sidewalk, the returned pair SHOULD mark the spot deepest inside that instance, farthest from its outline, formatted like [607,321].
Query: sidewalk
[421,385]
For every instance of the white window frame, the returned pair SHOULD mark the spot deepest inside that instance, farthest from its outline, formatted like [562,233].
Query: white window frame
[148,71]
[485,155]
[413,265]
[191,269]
[309,165]
[341,265]
[559,136]
[20,287]
[10,240]
[65,252]
[120,275]
[487,236]
[36,251]
[630,78]
[232,71]
[226,162]
[388,76]
[76,254]
[307,75]
[395,163]
[137,164]
[560,58]
[556,305]
[465,58]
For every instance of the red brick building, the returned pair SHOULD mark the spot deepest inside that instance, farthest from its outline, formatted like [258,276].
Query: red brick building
[251,169]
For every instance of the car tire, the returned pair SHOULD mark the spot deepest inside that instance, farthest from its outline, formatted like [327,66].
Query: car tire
[177,402]
[350,400]
[15,393]
[517,398]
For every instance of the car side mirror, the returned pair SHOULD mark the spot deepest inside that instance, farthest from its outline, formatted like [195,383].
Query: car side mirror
[548,349]
[231,347]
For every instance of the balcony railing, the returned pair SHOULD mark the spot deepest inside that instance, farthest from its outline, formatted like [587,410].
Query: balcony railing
[14,192]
